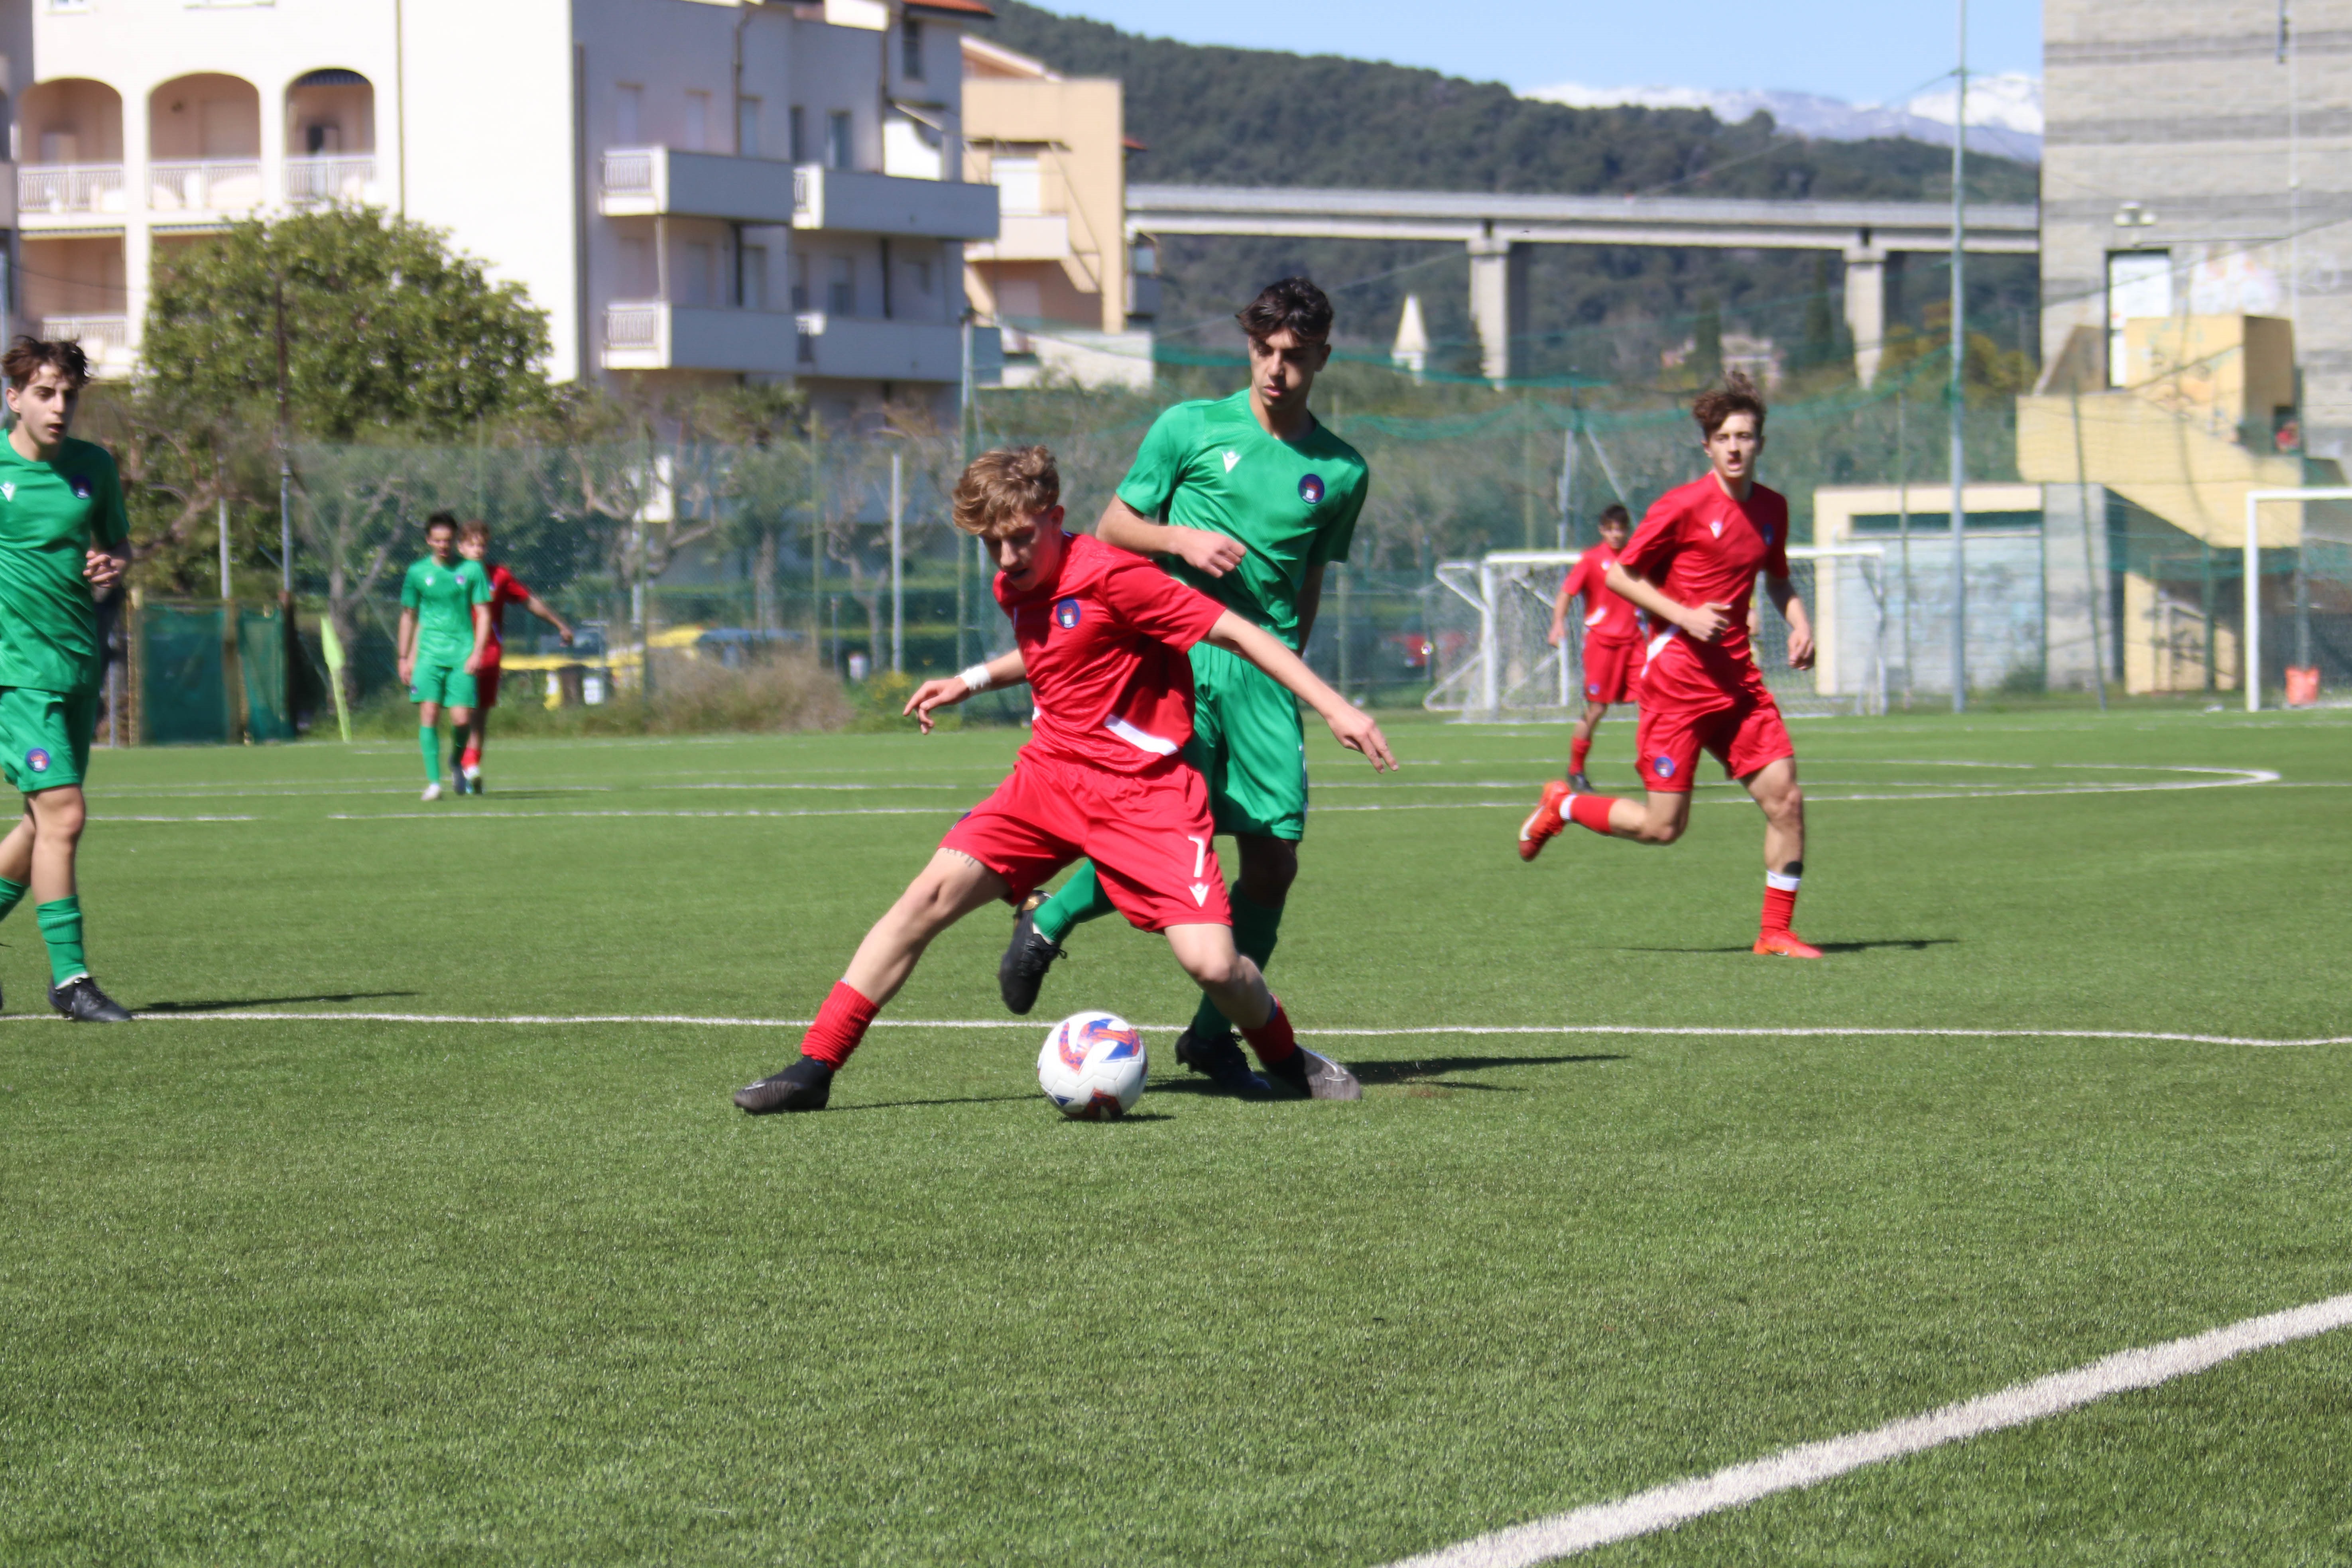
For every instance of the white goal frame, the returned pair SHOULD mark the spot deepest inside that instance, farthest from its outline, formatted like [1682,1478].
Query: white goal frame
[1474,691]
[2253,679]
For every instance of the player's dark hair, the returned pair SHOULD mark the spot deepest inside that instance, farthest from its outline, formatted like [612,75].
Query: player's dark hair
[1294,305]
[28,354]
[1737,394]
[1615,513]
[474,527]
[447,519]
[1005,485]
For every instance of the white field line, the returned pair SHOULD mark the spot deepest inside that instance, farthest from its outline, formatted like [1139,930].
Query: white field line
[97,817]
[1437,1030]
[1810,1464]
[462,815]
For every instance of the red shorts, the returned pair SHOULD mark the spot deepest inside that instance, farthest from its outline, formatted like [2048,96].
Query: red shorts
[1611,670]
[486,685]
[1150,836]
[1686,708]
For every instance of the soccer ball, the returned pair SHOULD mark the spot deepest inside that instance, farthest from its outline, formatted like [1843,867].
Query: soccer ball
[1092,1067]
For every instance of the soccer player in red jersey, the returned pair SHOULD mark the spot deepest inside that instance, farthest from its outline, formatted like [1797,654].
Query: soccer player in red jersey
[1692,565]
[1102,638]
[1614,636]
[505,588]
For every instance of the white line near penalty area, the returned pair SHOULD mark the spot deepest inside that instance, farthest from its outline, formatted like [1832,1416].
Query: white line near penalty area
[1810,1464]
[1431,1030]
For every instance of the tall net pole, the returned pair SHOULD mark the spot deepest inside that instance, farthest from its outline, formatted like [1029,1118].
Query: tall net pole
[1958,400]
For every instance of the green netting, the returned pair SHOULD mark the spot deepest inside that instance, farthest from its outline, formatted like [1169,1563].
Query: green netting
[183,698]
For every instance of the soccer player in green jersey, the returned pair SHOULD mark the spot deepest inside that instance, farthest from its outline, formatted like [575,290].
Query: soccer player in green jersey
[63,540]
[1249,498]
[445,635]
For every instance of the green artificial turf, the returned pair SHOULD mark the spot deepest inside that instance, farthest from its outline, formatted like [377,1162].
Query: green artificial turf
[319,1291]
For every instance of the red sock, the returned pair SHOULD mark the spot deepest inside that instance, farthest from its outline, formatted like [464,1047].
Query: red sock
[1273,1040]
[471,758]
[1590,811]
[1577,751]
[1780,902]
[840,1025]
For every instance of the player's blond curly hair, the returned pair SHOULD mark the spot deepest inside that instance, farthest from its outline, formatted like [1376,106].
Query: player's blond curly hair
[1004,487]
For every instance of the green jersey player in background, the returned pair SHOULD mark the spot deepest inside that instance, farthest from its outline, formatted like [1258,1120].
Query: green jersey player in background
[64,540]
[1249,498]
[445,635]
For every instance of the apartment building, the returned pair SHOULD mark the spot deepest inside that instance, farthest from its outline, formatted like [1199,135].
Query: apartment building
[1071,295]
[695,191]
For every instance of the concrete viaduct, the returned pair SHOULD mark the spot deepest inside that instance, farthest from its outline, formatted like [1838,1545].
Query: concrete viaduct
[1499,229]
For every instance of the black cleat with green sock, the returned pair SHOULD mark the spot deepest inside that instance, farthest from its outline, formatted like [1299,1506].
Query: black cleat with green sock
[1026,958]
[1314,1076]
[806,1085]
[1218,1057]
[81,1000]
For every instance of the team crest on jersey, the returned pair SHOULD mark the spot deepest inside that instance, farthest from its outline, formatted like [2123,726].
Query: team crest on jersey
[81,488]
[1716,526]
[1065,613]
[1663,767]
[38,760]
[1230,458]
[1310,490]
[8,491]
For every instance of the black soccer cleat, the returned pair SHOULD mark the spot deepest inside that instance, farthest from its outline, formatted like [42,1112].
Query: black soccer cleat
[1218,1057]
[806,1085]
[81,1000]
[1578,784]
[1313,1076]
[1026,958]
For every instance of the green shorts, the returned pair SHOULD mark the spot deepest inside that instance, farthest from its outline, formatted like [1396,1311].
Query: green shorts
[1248,744]
[45,736]
[447,684]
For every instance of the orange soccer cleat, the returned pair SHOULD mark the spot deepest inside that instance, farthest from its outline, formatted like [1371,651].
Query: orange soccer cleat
[1544,823]
[1785,944]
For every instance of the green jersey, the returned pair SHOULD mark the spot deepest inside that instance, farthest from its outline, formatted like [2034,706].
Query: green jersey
[444,598]
[1294,504]
[51,516]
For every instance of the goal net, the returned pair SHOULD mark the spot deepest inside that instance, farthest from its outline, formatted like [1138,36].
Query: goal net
[1493,661]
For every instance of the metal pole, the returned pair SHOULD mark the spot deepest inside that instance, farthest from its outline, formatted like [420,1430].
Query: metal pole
[2253,567]
[226,595]
[1959,387]
[1903,531]
[898,565]
[2093,586]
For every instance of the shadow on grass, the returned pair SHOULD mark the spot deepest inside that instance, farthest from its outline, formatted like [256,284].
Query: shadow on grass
[912,1104]
[1904,943]
[225,1005]
[1425,1073]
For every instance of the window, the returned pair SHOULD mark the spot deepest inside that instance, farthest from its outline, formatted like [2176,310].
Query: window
[628,114]
[799,271]
[61,147]
[1019,186]
[322,140]
[841,295]
[637,281]
[698,265]
[2139,284]
[840,145]
[799,128]
[918,279]
[910,37]
[696,136]
[747,128]
[755,278]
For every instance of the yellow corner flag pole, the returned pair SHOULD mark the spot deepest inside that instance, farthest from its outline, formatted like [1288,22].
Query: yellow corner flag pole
[332,647]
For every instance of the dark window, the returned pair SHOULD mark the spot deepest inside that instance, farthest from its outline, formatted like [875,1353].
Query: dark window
[799,131]
[911,39]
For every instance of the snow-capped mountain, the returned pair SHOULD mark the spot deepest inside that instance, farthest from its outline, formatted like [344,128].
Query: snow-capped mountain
[2004,111]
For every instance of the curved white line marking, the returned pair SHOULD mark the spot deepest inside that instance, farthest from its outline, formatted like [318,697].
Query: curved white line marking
[1810,1464]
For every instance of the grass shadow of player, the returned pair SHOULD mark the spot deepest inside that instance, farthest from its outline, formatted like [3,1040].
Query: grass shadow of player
[223,1005]
[529,795]
[1901,944]
[916,1104]
[1429,1070]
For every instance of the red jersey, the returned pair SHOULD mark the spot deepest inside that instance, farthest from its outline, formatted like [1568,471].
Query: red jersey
[1607,618]
[1105,645]
[1701,547]
[505,589]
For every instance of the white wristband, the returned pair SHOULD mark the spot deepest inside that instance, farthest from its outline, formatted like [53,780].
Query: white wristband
[976,679]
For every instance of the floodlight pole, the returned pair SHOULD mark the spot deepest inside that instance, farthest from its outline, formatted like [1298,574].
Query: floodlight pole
[1959,387]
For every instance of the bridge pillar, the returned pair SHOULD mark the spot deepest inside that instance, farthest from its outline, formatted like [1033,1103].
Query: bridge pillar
[1865,304]
[1498,304]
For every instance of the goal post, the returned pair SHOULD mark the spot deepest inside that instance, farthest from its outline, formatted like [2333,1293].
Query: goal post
[1492,659]
[2313,549]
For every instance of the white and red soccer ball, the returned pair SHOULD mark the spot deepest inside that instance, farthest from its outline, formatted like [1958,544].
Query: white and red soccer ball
[1093,1066]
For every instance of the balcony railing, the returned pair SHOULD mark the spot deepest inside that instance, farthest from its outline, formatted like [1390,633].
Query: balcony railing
[628,172]
[209,186]
[633,325]
[105,338]
[337,177]
[70,188]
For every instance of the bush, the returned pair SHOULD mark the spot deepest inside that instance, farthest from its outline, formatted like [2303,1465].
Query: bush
[690,697]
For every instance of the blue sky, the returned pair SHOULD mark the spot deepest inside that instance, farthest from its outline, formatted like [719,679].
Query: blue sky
[1862,50]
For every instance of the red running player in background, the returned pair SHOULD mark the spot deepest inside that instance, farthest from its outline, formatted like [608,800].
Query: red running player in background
[1614,633]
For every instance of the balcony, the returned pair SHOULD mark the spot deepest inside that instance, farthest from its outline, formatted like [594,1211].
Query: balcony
[847,202]
[105,338]
[854,349]
[311,181]
[650,334]
[70,191]
[1026,236]
[648,181]
[206,186]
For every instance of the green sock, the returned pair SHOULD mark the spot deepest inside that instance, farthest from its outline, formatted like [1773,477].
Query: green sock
[60,920]
[11,895]
[1080,900]
[429,742]
[1256,931]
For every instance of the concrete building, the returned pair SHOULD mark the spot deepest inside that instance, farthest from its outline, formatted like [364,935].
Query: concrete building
[693,190]
[1071,297]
